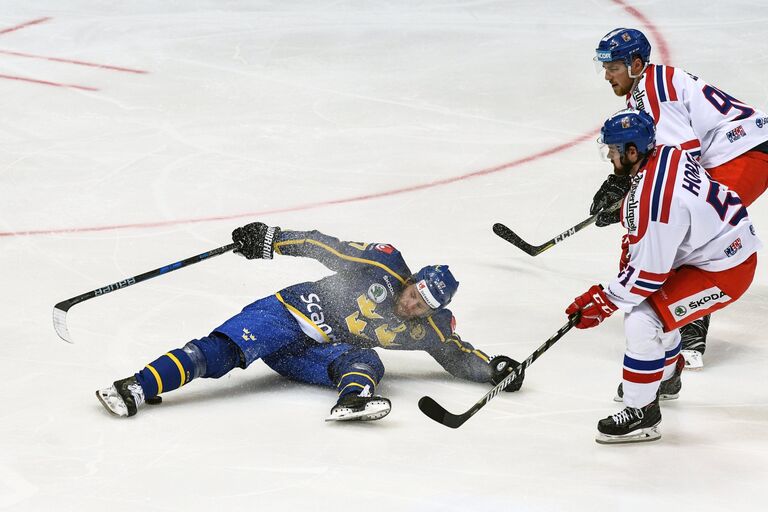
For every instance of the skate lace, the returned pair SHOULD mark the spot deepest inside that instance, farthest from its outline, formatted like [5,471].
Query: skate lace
[627,415]
[138,393]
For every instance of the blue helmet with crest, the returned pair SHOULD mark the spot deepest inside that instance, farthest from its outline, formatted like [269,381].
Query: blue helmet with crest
[623,44]
[629,126]
[436,285]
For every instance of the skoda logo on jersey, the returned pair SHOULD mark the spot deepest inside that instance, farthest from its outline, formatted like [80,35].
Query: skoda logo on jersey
[680,311]
[761,121]
[377,293]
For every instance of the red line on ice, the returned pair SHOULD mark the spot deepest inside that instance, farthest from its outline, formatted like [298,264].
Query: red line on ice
[660,42]
[77,62]
[318,204]
[23,25]
[47,82]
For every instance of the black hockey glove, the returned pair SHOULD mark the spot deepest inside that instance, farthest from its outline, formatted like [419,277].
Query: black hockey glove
[256,240]
[611,192]
[501,366]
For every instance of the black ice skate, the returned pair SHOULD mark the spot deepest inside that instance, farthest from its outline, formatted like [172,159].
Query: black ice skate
[122,398]
[668,389]
[694,339]
[631,425]
[362,407]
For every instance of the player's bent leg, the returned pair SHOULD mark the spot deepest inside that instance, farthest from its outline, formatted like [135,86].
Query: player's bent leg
[695,342]
[356,374]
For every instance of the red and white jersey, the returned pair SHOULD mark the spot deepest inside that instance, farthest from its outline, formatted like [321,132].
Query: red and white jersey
[696,116]
[670,191]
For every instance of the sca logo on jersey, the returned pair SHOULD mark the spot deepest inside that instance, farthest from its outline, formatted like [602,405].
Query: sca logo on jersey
[316,314]
[761,121]
[377,293]
[736,134]
[733,248]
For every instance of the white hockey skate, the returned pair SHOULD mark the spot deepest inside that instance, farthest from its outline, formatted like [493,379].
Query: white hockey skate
[122,398]
[694,360]
[362,407]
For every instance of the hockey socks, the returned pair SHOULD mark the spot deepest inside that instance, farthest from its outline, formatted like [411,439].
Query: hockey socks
[166,373]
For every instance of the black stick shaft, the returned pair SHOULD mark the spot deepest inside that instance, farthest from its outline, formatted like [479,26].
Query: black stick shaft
[438,413]
[119,285]
[60,309]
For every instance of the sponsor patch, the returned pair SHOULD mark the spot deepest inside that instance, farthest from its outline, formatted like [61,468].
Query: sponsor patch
[418,332]
[693,303]
[377,293]
[733,248]
[385,248]
[761,121]
[736,134]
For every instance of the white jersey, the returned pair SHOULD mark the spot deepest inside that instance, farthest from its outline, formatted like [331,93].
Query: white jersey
[696,116]
[670,191]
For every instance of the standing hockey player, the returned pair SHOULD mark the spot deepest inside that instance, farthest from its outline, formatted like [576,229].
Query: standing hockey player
[323,332]
[728,136]
[691,250]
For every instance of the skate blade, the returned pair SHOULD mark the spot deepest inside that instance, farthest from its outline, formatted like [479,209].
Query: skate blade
[373,411]
[639,436]
[694,360]
[108,407]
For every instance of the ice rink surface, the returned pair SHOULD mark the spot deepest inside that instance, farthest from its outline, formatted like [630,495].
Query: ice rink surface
[135,134]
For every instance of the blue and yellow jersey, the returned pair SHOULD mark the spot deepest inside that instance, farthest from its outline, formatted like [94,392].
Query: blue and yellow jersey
[356,304]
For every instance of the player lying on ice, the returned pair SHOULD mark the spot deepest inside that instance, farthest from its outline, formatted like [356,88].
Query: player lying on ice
[323,332]
[690,249]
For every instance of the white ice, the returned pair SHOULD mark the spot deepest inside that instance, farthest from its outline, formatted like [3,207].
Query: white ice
[366,120]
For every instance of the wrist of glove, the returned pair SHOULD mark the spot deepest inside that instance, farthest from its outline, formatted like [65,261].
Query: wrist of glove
[594,307]
[611,192]
[501,367]
[256,240]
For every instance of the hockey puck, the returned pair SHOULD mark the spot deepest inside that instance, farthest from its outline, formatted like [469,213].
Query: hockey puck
[155,400]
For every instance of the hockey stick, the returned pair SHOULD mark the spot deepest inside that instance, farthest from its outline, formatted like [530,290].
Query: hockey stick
[438,413]
[534,250]
[60,309]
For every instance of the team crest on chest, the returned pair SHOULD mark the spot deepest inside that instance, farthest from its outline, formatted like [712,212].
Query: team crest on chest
[418,332]
[377,293]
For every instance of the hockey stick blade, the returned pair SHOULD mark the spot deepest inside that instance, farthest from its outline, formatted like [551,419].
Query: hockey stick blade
[438,413]
[60,310]
[510,236]
[534,250]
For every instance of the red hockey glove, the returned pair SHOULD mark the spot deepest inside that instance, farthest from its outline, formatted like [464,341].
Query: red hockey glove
[594,307]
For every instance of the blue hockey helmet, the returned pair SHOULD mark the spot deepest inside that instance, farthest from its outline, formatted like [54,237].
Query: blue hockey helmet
[623,44]
[629,126]
[436,285]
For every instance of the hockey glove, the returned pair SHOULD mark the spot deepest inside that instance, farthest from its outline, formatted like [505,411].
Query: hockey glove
[256,240]
[501,366]
[611,192]
[594,307]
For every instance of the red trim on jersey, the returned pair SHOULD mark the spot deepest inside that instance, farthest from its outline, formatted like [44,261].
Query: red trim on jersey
[650,276]
[650,91]
[644,208]
[669,186]
[642,378]
[641,292]
[671,92]
[693,143]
